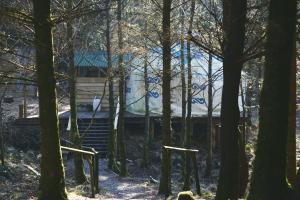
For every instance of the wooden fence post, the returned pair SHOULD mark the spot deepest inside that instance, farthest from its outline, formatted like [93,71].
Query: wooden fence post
[21,111]
[96,174]
[196,173]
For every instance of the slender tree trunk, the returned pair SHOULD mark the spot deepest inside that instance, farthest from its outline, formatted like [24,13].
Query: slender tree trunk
[52,182]
[189,129]
[269,173]
[243,162]
[165,179]
[209,119]
[112,164]
[291,145]
[183,87]
[147,114]
[234,17]
[74,132]
[183,84]
[121,124]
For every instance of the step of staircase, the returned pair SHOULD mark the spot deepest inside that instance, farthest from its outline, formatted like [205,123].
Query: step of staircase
[95,135]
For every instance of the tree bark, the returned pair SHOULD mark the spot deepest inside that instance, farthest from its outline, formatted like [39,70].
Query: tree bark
[183,84]
[269,173]
[52,182]
[234,17]
[121,124]
[74,132]
[189,129]
[111,154]
[165,179]
[291,145]
[209,119]
[147,112]
[243,162]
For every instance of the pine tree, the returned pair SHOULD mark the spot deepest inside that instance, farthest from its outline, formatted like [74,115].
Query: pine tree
[234,18]
[52,182]
[121,124]
[269,173]
[165,179]
[74,132]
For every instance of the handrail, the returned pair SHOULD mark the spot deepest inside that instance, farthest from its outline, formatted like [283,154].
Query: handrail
[93,163]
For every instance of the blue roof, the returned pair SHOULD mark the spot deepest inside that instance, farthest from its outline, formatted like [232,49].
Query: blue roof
[96,59]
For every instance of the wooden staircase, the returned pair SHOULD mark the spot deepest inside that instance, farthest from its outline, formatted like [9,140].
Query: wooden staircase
[95,135]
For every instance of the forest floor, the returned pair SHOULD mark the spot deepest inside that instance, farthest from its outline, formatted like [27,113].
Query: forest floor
[19,178]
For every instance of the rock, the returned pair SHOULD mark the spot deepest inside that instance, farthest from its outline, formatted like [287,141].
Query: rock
[186,195]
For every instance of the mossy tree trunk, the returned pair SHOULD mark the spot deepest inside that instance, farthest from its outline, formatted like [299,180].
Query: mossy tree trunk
[112,164]
[234,17]
[165,178]
[74,132]
[52,182]
[187,138]
[269,173]
[121,124]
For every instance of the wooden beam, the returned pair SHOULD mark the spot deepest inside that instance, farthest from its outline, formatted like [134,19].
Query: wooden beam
[181,149]
[77,150]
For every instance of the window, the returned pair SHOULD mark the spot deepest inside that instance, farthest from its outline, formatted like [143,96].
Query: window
[91,72]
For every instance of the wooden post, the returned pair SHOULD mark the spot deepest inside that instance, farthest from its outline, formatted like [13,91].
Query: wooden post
[217,136]
[92,157]
[96,173]
[152,129]
[91,163]
[193,154]
[21,111]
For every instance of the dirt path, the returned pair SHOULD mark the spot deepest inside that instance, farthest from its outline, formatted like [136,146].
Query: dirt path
[114,188]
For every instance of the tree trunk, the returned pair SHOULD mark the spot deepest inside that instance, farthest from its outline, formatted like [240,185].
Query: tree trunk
[165,179]
[234,17]
[183,88]
[147,114]
[183,85]
[209,119]
[269,173]
[121,124]
[189,130]
[291,145]
[52,182]
[112,164]
[243,162]
[74,132]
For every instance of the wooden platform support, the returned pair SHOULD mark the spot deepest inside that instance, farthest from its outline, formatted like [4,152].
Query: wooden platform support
[192,153]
